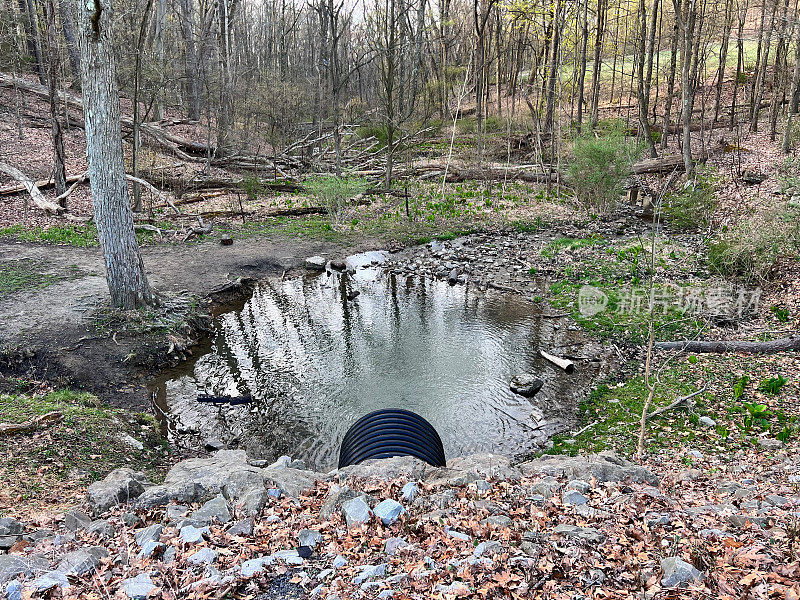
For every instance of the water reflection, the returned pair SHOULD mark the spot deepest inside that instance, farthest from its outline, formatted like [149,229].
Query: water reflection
[315,362]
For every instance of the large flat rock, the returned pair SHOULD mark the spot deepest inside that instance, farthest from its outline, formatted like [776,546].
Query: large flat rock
[605,466]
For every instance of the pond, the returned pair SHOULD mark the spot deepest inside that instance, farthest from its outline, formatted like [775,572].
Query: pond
[315,356]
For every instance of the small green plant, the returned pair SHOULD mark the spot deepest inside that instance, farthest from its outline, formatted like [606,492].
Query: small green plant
[772,385]
[334,192]
[757,414]
[739,387]
[599,167]
[782,314]
[692,359]
[723,431]
[785,434]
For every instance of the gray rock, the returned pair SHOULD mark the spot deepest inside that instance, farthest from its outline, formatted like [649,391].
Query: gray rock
[131,442]
[254,501]
[119,486]
[489,466]
[582,486]
[770,443]
[316,263]
[678,572]
[708,421]
[604,467]
[574,497]
[537,499]
[356,511]
[775,500]
[696,454]
[292,482]
[255,565]
[191,534]
[50,580]
[137,588]
[102,529]
[482,485]
[82,561]
[716,533]
[393,544]
[175,512]
[526,385]
[11,566]
[147,534]
[409,492]
[213,511]
[457,535]
[384,469]
[204,556]
[130,519]
[587,534]
[337,495]
[290,557]
[497,521]
[169,555]
[339,562]
[14,590]
[309,537]
[742,521]
[150,548]
[656,519]
[199,479]
[243,527]
[389,511]
[75,520]
[9,526]
[491,548]
[370,572]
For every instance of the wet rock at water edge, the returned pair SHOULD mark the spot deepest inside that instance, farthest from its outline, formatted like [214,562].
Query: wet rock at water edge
[526,385]
[118,486]
[338,265]
[316,263]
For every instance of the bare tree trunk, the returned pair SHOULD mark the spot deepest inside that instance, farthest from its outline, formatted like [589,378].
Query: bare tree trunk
[673,68]
[582,61]
[642,96]
[723,56]
[794,98]
[137,85]
[30,21]
[602,8]
[125,274]
[552,71]
[66,10]
[192,71]
[762,71]
[225,118]
[59,170]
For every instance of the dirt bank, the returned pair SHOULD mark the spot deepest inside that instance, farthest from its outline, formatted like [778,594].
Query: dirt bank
[57,324]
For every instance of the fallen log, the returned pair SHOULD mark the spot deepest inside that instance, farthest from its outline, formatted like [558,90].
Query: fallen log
[42,184]
[664,164]
[719,347]
[31,424]
[29,185]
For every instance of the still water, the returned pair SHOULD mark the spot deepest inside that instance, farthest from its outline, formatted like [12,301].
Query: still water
[315,359]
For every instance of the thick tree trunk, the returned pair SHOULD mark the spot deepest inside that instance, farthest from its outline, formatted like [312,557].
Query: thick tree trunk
[762,71]
[641,92]
[582,61]
[673,68]
[127,281]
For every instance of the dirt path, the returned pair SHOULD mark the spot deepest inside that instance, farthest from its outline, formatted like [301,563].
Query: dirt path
[49,329]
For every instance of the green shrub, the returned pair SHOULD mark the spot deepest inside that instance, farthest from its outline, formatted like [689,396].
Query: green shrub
[773,385]
[466,125]
[252,187]
[693,206]
[599,168]
[335,192]
[373,129]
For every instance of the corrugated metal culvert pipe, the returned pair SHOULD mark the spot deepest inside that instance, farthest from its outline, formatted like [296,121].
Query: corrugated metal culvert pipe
[391,432]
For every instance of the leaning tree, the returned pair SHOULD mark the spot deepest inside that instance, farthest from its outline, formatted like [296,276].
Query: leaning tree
[125,273]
